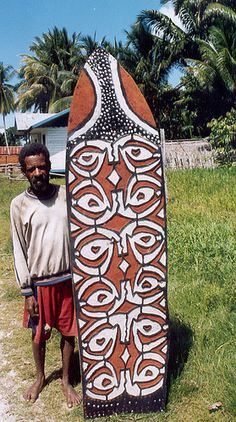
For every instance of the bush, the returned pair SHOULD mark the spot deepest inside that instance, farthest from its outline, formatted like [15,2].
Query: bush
[223,137]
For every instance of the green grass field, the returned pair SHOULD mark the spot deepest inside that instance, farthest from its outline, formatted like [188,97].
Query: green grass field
[202,248]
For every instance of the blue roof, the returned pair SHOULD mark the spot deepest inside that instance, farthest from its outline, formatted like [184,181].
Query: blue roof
[51,119]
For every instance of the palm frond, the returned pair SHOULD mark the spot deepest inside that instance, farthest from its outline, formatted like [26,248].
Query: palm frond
[160,25]
[60,105]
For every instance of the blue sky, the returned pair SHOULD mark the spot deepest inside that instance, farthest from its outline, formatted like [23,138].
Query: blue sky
[22,20]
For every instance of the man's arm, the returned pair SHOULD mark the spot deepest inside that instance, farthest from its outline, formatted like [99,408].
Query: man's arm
[20,251]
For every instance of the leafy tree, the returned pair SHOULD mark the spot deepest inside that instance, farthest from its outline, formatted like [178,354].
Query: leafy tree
[12,138]
[51,73]
[202,89]
[145,58]
[218,64]
[196,17]
[210,82]
[223,137]
[6,94]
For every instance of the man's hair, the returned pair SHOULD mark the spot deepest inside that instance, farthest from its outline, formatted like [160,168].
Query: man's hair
[33,149]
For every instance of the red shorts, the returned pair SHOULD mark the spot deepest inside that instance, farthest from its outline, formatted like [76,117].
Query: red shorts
[56,310]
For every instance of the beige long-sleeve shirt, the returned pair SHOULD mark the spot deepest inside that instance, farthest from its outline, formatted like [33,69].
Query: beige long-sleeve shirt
[40,239]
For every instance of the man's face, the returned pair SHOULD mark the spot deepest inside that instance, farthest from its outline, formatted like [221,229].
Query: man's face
[37,173]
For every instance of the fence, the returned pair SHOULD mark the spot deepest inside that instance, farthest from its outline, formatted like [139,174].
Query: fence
[187,153]
[177,154]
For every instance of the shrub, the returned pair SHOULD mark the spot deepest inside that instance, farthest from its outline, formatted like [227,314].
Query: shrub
[223,137]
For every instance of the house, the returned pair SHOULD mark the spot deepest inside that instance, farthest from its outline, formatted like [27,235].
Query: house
[50,129]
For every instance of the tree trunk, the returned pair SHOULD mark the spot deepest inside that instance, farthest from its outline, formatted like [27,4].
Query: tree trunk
[5,134]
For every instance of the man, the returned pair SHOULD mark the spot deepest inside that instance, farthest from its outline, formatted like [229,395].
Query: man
[42,265]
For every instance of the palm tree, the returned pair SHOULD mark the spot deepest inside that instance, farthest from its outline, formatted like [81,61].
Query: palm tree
[51,73]
[196,16]
[216,71]
[184,46]
[146,58]
[6,95]
[56,47]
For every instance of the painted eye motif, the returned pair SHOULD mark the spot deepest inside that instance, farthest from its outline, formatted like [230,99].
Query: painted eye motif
[97,297]
[140,156]
[107,382]
[148,327]
[138,153]
[142,196]
[103,341]
[149,281]
[145,241]
[90,203]
[94,256]
[100,298]
[146,244]
[148,334]
[149,372]
[143,190]
[95,250]
[87,161]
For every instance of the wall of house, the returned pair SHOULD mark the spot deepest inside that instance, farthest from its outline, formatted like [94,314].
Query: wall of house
[56,139]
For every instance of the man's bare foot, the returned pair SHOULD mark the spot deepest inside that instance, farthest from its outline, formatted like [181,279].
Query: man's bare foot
[34,390]
[72,397]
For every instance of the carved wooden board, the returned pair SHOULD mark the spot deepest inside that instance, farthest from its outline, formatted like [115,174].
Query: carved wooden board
[116,208]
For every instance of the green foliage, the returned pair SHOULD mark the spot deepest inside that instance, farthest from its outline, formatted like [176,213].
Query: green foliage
[11,136]
[223,137]
[204,47]
[6,90]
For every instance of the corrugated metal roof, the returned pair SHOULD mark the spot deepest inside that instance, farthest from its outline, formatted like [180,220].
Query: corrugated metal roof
[25,120]
[50,119]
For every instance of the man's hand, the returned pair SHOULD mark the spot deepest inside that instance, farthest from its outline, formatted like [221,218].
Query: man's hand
[32,306]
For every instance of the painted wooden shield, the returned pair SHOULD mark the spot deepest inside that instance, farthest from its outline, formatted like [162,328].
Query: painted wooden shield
[116,209]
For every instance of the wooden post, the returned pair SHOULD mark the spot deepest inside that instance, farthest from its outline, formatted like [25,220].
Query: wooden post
[163,149]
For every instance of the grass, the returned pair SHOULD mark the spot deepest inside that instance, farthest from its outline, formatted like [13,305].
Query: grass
[202,248]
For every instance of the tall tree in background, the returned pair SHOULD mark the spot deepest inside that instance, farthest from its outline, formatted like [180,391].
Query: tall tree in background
[196,18]
[145,58]
[6,95]
[183,47]
[50,74]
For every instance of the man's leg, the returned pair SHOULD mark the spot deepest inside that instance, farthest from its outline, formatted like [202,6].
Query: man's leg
[39,358]
[67,350]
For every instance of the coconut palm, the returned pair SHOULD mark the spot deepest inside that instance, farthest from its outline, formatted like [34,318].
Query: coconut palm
[51,73]
[146,58]
[56,47]
[196,17]
[6,95]
[217,68]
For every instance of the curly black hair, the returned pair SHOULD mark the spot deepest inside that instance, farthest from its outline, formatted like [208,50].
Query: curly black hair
[33,149]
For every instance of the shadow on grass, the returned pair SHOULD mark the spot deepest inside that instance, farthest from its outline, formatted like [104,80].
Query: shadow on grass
[180,343]
[55,375]
[75,375]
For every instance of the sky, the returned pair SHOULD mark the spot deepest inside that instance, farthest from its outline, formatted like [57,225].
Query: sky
[23,20]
